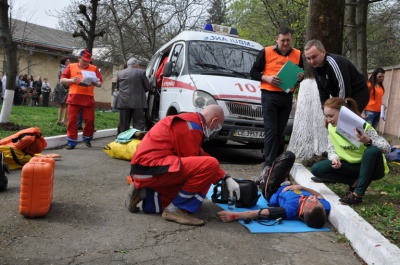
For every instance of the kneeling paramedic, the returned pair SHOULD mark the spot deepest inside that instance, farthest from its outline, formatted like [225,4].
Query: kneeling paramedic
[171,173]
[289,202]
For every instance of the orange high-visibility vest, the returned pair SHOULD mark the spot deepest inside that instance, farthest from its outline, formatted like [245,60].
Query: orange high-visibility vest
[79,89]
[274,62]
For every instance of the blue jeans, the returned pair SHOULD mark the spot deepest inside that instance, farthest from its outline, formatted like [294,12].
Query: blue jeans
[372,118]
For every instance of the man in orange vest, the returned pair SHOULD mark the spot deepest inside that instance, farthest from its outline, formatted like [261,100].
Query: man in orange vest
[81,77]
[276,104]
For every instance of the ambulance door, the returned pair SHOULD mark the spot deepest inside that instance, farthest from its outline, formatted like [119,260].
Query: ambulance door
[170,86]
[152,110]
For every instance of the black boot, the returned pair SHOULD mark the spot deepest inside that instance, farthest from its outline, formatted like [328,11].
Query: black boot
[278,173]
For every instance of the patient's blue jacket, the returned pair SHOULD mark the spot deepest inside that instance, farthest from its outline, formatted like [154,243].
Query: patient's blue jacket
[289,200]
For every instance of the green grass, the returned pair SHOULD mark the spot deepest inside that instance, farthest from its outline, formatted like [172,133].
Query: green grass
[46,117]
[381,204]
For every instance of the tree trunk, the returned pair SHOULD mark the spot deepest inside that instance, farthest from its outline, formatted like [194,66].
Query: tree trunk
[325,23]
[10,49]
[362,12]
[351,29]
[309,136]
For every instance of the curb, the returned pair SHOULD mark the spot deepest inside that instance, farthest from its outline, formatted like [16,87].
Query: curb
[61,140]
[369,244]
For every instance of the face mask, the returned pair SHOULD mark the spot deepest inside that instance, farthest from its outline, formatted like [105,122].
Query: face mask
[207,131]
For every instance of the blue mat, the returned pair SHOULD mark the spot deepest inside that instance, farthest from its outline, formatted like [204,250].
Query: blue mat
[287,226]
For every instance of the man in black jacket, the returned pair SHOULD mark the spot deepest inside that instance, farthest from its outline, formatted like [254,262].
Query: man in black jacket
[335,75]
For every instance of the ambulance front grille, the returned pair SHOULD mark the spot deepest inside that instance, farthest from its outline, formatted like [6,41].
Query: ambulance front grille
[245,110]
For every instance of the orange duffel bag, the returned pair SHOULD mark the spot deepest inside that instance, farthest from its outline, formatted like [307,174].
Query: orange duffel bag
[30,141]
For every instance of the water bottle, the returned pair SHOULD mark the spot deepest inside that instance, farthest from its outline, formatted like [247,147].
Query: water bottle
[231,202]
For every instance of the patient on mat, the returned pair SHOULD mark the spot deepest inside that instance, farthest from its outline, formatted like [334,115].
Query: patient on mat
[394,155]
[289,202]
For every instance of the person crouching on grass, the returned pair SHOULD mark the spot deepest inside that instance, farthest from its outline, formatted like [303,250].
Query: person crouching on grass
[354,166]
[289,202]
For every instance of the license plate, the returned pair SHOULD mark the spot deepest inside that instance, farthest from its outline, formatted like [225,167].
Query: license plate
[249,134]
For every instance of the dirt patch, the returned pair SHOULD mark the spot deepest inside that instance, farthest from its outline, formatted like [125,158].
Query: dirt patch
[394,169]
[9,126]
[316,158]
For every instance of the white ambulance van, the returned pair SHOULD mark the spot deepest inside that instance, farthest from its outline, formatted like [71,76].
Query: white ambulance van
[209,67]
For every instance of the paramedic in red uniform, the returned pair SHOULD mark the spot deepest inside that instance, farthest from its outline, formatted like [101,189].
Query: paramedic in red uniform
[276,104]
[171,172]
[80,98]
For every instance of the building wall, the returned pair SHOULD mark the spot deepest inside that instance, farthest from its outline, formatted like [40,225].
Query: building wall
[47,65]
[391,98]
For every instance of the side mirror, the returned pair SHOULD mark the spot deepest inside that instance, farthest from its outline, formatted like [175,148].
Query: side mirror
[168,69]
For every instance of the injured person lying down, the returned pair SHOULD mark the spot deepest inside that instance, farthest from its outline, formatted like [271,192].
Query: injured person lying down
[288,202]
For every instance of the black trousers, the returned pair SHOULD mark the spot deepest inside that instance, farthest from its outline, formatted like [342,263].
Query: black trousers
[276,107]
[45,98]
[127,115]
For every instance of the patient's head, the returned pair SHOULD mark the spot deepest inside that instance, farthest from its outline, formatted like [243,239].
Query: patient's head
[312,212]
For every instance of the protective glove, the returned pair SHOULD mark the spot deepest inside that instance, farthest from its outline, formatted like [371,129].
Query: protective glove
[233,186]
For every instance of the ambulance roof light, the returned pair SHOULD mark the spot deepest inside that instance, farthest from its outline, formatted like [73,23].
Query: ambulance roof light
[221,29]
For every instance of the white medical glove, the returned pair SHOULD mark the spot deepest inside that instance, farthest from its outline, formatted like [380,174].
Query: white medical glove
[233,186]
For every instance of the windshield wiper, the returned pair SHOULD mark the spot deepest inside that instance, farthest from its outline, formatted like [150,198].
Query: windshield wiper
[213,66]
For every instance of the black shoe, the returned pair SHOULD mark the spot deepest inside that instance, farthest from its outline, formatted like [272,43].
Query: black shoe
[278,172]
[349,198]
[70,147]
[88,144]
[318,180]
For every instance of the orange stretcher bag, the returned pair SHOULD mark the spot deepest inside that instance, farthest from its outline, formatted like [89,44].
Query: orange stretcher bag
[37,181]
[30,141]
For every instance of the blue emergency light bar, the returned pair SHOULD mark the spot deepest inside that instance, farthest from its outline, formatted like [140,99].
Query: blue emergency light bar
[222,29]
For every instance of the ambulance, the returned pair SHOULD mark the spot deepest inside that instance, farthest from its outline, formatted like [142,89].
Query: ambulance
[209,67]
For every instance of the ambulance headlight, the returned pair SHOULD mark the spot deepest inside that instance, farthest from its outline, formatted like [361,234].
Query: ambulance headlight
[202,99]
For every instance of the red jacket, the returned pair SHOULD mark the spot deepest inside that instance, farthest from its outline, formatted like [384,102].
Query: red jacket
[170,139]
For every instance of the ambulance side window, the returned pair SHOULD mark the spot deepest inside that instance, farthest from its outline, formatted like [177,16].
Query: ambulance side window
[177,59]
[150,67]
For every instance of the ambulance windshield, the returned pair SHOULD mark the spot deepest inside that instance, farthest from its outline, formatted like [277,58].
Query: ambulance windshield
[217,58]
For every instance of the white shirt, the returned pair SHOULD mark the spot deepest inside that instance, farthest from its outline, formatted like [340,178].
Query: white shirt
[46,87]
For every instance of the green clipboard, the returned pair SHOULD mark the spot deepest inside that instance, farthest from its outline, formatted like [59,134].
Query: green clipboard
[288,75]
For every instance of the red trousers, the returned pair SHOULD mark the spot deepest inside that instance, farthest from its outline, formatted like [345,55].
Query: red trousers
[186,189]
[88,118]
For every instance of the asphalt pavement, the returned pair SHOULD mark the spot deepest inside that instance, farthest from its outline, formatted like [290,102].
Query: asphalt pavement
[89,224]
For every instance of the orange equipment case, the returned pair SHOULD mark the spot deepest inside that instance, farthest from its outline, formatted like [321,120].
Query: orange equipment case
[45,159]
[37,181]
